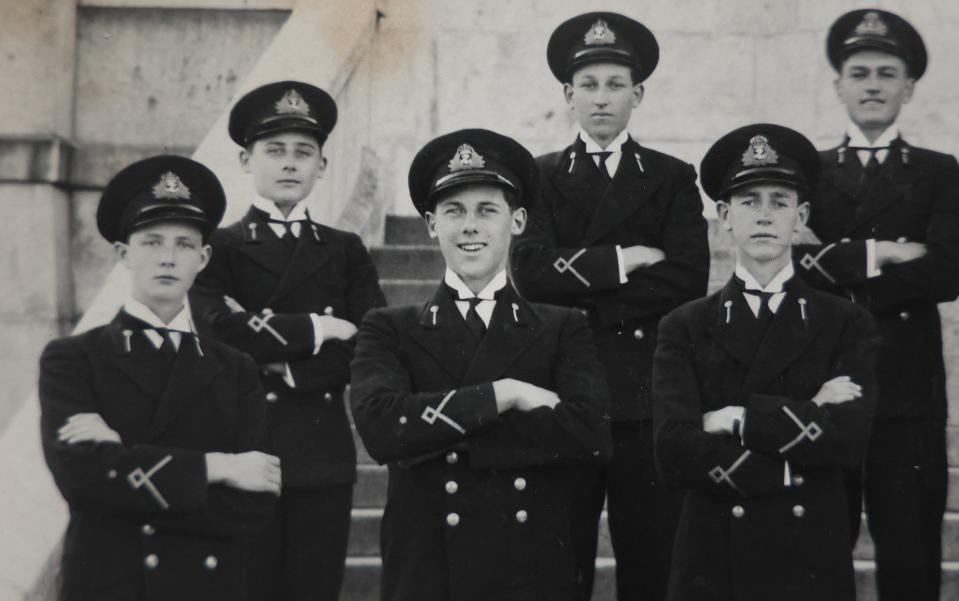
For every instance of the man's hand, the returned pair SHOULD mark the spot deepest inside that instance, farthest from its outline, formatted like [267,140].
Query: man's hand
[522,396]
[891,253]
[720,421]
[335,328]
[638,256]
[86,427]
[251,471]
[838,390]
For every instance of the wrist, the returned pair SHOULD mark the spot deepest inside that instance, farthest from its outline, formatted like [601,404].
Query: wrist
[504,398]
[216,467]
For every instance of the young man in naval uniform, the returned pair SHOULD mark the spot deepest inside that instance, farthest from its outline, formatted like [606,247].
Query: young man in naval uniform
[763,393]
[478,399]
[886,215]
[290,292]
[619,234]
[153,435]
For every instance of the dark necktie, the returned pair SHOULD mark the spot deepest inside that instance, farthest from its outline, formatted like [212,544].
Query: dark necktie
[603,169]
[167,349]
[288,237]
[869,169]
[473,321]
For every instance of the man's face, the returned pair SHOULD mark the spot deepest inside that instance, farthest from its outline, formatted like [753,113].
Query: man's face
[285,166]
[474,226]
[603,97]
[874,86]
[762,219]
[163,260]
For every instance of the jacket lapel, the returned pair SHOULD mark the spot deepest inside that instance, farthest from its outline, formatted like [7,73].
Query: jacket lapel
[513,327]
[892,182]
[630,188]
[442,334]
[788,336]
[190,377]
[311,254]
[575,178]
[262,245]
[732,310]
[134,356]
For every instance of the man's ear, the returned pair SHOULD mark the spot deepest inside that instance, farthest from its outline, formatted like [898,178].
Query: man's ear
[322,170]
[245,161]
[206,251]
[568,92]
[722,211]
[803,216]
[430,224]
[121,250]
[638,91]
[518,225]
[910,88]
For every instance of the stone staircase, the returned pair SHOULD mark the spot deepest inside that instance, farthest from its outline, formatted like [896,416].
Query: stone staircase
[409,266]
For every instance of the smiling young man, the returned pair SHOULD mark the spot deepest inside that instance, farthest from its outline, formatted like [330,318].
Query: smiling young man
[290,292]
[762,395]
[618,233]
[154,435]
[478,400]
[886,215]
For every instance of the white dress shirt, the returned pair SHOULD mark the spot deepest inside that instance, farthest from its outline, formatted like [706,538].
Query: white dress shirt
[774,287]
[298,214]
[182,322]
[485,307]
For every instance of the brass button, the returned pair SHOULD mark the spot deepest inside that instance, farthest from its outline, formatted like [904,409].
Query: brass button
[738,511]
[904,315]
[151,561]
[845,240]
[585,312]
[402,419]
[798,480]
[111,475]
[522,516]
[267,311]
[210,562]
[799,511]
[328,311]
[902,240]
[327,397]
[638,334]
[452,457]
[147,530]
[453,519]
[519,483]
[452,487]
[271,397]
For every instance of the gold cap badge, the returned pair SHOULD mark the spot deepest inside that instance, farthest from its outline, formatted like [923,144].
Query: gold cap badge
[872,24]
[600,34]
[292,104]
[759,153]
[466,158]
[171,186]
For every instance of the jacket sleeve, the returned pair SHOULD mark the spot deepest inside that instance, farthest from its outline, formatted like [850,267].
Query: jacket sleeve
[934,277]
[683,275]
[832,266]
[829,435]
[267,337]
[577,428]
[396,423]
[545,272]
[687,456]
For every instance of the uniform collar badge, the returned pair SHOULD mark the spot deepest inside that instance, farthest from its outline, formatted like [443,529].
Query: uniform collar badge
[171,187]
[759,153]
[292,103]
[600,34]
[465,158]
[872,24]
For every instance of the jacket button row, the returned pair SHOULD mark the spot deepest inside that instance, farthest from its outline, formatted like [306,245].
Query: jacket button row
[904,315]
[210,562]
[522,516]
[519,483]
[798,480]
[271,397]
[799,511]
[452,487]
[452,457]
[638,334]
[327,397]
[147,530]
[151,561]
[453,519]
[738,511]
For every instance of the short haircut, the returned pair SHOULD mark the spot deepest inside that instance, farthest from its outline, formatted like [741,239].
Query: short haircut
[510,196]
[205,232]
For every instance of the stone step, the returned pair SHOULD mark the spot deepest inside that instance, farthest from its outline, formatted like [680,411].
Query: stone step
[401,229]
[408,292]
[408,262]
[365,536]
[362,579]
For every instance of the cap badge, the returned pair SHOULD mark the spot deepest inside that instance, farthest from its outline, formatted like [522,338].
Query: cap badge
[292,104]
[872,24]
[759,153]
[466,158]
[600,34]
[171,186]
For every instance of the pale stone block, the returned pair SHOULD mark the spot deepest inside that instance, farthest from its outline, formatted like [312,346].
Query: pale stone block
[91,256]
[784,68]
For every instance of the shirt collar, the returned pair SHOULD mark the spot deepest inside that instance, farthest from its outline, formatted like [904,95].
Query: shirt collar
[592,146]
[857,139]
[463,291]
[775,285]
[299,212]
[181,322]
